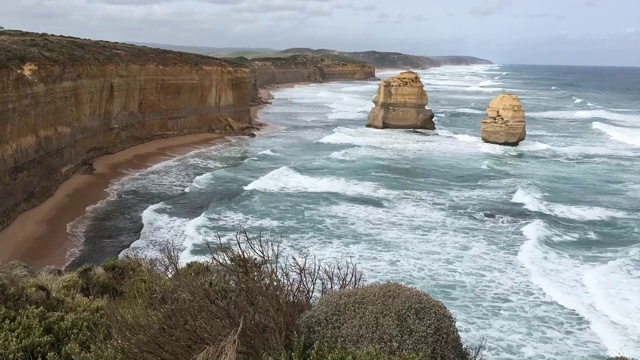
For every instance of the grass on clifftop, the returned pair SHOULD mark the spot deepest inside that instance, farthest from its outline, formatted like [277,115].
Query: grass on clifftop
[298,59]
[248,301]
[18,48]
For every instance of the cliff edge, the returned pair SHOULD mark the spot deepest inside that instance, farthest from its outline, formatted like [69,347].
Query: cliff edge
[64,101]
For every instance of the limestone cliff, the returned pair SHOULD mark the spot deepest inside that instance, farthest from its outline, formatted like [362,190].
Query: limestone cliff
[64,101]
[506,122]
[400,104]
[56,113]
[302,68]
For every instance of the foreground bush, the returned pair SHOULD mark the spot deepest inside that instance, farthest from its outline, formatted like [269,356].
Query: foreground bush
[393,319]
[246,300]
[42,318]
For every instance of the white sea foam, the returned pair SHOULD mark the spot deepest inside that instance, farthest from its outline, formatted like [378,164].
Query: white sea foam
[482,89]
[469,111]
[200,182]
[386,139]
[625,135]
[487,83]
[285,179]
[532,200]
[585,114]
[593,291]
[159,231]
[577,100]
[342,155]
[269,152]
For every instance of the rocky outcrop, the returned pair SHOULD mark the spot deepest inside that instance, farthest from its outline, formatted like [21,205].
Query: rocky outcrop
[401,104]
[506,122]
[56,114]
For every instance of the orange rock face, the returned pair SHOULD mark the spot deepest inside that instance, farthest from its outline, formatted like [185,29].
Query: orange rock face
[401,104]
[506,122]
[53,118]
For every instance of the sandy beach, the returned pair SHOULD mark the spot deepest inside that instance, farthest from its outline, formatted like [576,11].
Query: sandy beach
[39,236]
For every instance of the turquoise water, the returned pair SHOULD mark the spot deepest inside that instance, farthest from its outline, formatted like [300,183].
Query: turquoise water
[535,248]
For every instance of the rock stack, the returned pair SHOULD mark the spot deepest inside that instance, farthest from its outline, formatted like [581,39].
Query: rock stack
[505,124]
[401,104]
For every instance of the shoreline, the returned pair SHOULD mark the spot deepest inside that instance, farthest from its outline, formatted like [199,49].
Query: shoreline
[39,236]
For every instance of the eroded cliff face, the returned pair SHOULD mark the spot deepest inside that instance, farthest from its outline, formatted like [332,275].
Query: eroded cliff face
[55,117]
[505,124]
[401,104]
[64,101]
[302,68]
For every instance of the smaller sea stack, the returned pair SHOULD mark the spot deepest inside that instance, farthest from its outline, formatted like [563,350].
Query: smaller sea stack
[401,104]
[505,124]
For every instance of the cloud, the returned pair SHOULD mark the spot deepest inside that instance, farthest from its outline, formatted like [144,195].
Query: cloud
[489,7]
[538,15]
[356,8]
[590,3]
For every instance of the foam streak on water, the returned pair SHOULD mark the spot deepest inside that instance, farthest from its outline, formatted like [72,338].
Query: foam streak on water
[535,248]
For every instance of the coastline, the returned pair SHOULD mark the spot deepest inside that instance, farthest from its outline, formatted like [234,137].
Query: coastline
[39,237]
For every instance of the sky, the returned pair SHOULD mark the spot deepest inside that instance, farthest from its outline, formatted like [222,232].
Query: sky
[572,32]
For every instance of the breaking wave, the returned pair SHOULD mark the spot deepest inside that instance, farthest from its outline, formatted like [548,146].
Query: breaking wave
[625,135]
[533,200]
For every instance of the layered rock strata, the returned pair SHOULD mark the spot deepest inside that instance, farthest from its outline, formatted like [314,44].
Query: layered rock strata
[54,118]
[401,104]
[506,122]
[304,69]
[64,101]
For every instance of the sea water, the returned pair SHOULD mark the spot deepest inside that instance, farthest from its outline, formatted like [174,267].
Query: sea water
[535,248]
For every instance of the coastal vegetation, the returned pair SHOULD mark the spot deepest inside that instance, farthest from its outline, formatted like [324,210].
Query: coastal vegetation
[246,301]
[18,48]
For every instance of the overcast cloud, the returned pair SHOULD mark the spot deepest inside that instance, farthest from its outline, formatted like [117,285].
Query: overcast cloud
[588,32]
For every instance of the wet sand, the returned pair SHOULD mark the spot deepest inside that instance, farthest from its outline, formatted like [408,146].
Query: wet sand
[39,236]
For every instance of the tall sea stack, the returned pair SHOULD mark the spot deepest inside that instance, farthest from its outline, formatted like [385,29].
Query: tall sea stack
[401,104]
[505,124]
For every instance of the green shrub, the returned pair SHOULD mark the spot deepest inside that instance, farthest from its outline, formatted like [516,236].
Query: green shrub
[393,319]
[110,279]
[247,298]
[301,351]
[17,269]
[40,320]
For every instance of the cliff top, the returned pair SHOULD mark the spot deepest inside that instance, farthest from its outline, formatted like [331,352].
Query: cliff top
[506,102]
[296,60]
[18,48]
[405,79]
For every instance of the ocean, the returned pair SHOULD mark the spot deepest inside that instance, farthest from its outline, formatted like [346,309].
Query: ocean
[534,248]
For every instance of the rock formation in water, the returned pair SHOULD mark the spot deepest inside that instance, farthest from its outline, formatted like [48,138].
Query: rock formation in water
[505,124]
[401,104]
[64,101]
